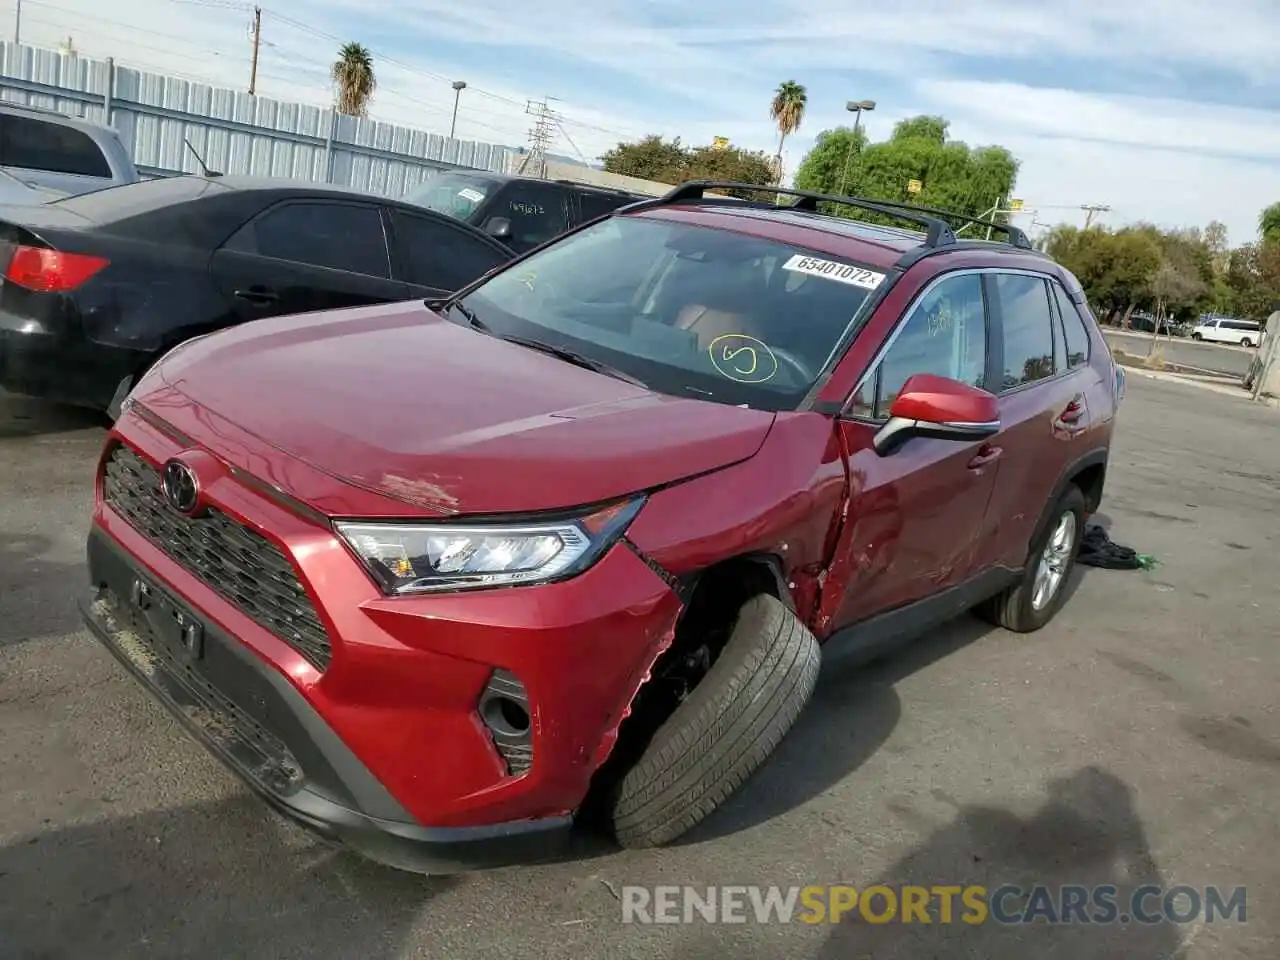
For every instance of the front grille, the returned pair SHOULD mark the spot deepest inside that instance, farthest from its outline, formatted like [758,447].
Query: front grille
[238,564]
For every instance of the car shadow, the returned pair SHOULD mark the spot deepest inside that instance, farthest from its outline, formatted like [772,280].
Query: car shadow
[28,417]
[853,711]
[37,597]
[1087,834]
[210,880]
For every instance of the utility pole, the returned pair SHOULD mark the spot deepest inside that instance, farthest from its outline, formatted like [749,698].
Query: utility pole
[257,40]
[1090,209]
[458,87]
[17,20]
[540,137]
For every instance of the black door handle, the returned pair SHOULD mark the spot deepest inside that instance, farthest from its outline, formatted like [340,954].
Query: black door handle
[259,295]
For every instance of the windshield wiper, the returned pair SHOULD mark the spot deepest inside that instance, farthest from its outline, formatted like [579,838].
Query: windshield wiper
[578,360]
[469,315]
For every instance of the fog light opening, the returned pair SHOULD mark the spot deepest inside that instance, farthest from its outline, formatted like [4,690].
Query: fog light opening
[506,716]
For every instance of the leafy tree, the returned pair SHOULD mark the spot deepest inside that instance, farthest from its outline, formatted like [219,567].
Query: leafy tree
[1254,278]
[653,158]
[650,158]
[953,175]
[1269,224]
[787,111]
[353,79]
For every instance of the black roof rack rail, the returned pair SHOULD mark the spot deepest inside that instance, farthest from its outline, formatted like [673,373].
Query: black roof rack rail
[938,232]
[1016,236]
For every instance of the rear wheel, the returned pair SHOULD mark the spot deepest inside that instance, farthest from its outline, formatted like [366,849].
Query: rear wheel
[1196,336]
[723,730]
[1246,342]
[1034,600]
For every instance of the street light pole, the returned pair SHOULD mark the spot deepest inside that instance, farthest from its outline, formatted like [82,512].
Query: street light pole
[458,87]
[855,107]
[17,21]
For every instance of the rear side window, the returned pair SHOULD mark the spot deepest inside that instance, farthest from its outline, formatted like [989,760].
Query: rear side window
[598,204]
[435,254]
[339,236]
[1028,329]
[537,211]
[1077,337]
[40,145]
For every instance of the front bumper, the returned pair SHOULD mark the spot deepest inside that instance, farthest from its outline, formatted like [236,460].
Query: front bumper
[253,720]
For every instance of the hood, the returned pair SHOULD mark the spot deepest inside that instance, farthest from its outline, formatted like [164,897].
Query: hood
[399,412]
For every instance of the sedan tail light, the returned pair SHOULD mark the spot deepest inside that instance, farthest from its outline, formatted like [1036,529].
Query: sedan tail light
[51,271]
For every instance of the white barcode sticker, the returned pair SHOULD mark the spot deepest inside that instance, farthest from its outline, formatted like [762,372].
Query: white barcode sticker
[831,270]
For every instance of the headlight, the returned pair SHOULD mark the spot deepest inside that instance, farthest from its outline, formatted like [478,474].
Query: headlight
[430,557]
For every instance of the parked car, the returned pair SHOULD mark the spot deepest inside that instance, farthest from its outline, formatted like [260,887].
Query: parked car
[435,582]
[1244,333]
[96,287]
[46,148]
[522,212]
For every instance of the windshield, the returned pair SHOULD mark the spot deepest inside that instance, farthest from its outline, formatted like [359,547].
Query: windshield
[689,311]
[455,195]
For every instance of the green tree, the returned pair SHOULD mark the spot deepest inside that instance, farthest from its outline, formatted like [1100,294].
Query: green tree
[787,111]
[353,79]
[1269,224]
[650,158]
[1115,269]
[1254,278]
[653,158]
[953,175]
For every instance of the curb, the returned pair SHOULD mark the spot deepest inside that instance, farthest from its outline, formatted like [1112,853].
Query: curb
[1237,391]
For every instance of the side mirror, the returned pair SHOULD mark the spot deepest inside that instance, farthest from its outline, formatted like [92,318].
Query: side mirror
[940,408]
[498,227]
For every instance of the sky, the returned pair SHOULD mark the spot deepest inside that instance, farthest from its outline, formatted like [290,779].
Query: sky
[1167,111]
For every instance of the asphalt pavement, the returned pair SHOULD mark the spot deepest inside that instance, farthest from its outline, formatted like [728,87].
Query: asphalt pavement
[1134,740]
[1213,357]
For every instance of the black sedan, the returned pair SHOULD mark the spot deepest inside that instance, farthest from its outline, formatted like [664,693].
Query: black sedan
[95,288]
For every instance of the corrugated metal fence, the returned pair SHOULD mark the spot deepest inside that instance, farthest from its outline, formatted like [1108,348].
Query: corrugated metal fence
[234,132]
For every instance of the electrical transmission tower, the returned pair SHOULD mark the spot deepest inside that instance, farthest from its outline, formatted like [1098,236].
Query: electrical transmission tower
[540,136]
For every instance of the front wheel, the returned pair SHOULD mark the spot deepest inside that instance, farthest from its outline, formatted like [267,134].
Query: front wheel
[724,730]
[1034,600]
[1197,336]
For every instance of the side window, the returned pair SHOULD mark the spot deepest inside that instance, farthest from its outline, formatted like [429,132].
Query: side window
[1028,329]
[39,145]
[435,254]
[1073,327]
[339,236]
[945,334]
[598,204]
[536,211]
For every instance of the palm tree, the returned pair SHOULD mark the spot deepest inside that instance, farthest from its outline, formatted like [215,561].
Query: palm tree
[1269,224]
[353,79]
[787,111]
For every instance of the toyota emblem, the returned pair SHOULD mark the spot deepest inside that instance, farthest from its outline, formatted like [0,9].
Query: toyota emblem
[181,488]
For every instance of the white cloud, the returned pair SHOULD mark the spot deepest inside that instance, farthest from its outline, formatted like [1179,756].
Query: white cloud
[697,73]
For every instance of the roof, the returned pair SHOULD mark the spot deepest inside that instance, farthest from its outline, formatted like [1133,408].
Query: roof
[57,116]
[800,224]
[575,184]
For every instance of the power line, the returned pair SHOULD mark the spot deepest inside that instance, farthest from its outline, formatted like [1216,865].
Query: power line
[1090,209]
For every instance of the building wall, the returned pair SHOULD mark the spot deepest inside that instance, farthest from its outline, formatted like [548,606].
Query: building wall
[234,132]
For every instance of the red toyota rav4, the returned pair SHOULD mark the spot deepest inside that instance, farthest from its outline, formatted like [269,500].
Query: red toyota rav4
[436,578]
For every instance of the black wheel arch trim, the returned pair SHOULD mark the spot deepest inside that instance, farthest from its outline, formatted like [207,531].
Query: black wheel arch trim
[1093,458]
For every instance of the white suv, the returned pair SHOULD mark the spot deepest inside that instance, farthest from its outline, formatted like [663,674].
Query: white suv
[1246,333]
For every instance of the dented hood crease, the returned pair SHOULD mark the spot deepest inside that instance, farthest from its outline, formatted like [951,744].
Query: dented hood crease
[391,410]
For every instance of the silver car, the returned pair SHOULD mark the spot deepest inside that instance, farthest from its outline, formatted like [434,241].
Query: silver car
[47,149]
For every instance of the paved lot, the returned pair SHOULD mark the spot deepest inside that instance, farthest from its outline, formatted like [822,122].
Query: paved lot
[1217,357]
[1134,740]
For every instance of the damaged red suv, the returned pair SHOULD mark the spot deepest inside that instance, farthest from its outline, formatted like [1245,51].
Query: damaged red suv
[435,579]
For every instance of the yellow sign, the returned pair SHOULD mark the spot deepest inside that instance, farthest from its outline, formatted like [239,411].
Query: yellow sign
[914,186]
[1015,206]
[720,143]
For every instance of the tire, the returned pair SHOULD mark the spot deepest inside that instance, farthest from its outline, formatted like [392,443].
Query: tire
[1246,343]
[723,731]
[1196,336]
[1015,608]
